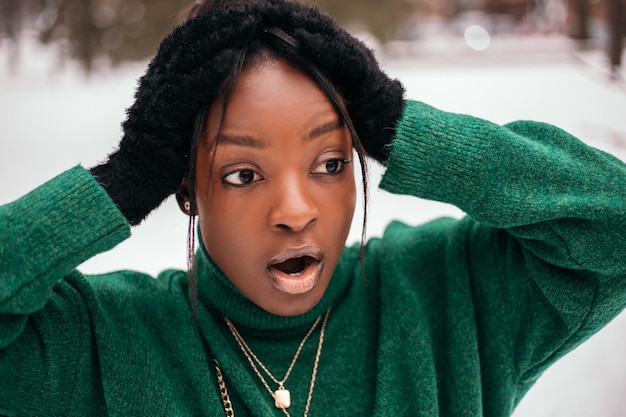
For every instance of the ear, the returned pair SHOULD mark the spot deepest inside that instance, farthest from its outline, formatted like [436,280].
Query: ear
[183,199]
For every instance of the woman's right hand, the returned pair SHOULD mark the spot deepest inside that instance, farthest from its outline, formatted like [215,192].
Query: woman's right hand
[152,158]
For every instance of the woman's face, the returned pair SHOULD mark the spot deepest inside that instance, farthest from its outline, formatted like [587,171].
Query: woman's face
[276,203]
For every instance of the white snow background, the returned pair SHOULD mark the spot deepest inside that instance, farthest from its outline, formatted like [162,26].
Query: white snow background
[53,116]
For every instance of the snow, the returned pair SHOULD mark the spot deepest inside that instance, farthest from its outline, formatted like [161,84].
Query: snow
[52,119]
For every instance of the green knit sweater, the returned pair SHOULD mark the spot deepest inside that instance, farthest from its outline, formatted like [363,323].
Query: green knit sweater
[452,318]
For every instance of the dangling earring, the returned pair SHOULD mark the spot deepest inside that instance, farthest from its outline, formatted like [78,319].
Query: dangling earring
[187,206]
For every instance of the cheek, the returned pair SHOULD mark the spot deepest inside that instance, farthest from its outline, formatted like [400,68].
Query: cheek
[341,206]
[350,202]
[231,229]
[220,222]
[352,195]
[350,192]
[224,237]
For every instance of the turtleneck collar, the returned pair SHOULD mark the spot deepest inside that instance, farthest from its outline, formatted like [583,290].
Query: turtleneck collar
[218,294]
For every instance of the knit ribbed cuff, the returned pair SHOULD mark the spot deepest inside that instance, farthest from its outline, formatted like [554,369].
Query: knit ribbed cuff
[436,155]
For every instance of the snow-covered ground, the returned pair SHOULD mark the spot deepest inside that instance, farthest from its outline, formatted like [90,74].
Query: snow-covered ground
[51,120]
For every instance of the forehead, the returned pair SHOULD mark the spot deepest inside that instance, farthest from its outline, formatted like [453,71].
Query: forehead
[272,91]
[272,77]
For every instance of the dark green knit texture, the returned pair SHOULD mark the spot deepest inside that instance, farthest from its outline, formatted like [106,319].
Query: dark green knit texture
[452,318]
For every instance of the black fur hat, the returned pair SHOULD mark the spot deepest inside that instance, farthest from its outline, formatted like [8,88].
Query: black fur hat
[198,56]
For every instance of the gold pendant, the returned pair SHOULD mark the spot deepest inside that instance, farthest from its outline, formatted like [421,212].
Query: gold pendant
[282,398]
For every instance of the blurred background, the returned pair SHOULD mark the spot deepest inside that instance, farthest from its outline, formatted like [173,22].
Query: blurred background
[111,32]
[69,69]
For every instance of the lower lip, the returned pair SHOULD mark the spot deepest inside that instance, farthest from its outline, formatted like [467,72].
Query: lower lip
[299,284]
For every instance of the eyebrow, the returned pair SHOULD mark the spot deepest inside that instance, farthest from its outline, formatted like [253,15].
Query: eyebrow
[325,128]
[247,141]
[251,142]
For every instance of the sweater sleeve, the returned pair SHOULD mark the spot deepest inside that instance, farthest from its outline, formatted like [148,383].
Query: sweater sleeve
[45,235]
[548,223]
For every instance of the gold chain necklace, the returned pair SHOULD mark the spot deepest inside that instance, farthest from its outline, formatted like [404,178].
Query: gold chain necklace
[281,396]
[228,406]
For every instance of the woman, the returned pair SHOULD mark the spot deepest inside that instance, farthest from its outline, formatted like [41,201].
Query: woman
[250,113]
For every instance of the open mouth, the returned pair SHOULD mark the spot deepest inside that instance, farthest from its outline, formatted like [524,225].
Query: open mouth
[296,271]
[294,267]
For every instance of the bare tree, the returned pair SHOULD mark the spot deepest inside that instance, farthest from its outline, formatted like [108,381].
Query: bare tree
[580,24]
[11,12]
[617,32]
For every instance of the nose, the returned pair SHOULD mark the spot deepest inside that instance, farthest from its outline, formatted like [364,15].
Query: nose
[293,206]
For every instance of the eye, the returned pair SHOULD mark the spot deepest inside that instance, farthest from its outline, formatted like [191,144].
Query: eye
[331,167]
[241,178]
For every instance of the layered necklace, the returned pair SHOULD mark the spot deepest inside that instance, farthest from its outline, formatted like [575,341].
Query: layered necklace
[281,396]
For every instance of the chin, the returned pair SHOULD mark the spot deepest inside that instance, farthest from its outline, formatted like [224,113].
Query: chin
[294,306]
